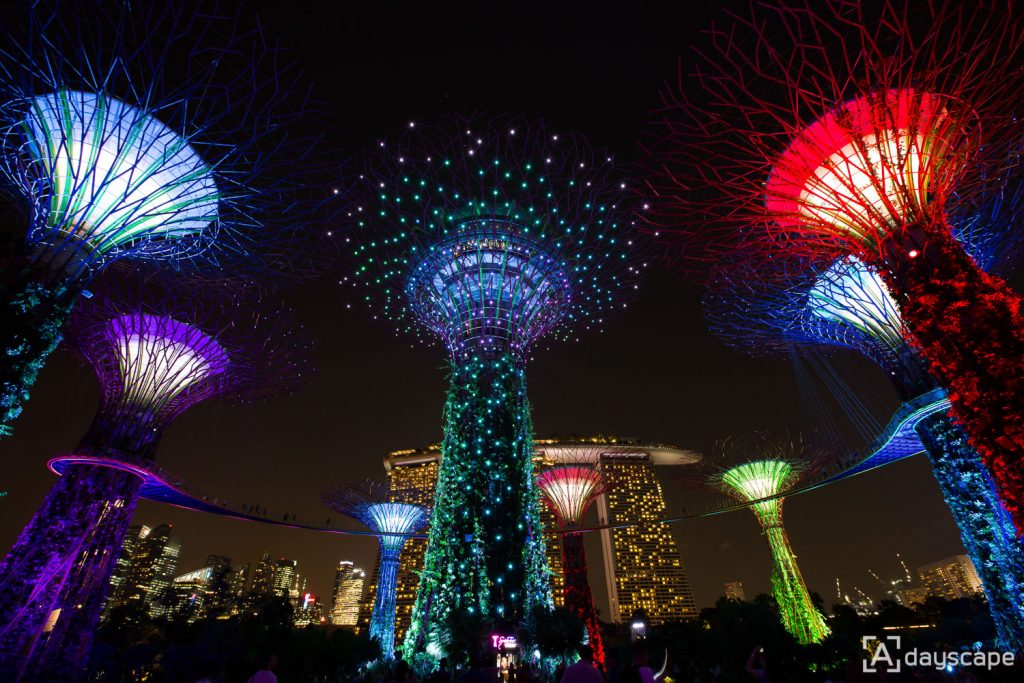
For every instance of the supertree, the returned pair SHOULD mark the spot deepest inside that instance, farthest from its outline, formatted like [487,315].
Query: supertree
[488,235]
[157,350]
[848,305]
[568,489]
[384,513]
[141,131]
[842,128]
[760,470]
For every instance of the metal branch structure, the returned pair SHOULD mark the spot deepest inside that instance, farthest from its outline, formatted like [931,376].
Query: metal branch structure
[765,307]
[156,351]
[145,132]
[841,128]
[490,236]
[760,471]
[568,490]
[392,520]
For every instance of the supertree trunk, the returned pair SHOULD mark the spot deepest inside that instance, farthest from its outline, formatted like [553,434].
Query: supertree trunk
[970,327]
[382,623]
[32,315]
[799,615]
[63,561]
[987,532]
[578,596]
[485,552]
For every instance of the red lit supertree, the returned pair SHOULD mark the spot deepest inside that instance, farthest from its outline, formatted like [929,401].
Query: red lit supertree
[568,489]
[845,129]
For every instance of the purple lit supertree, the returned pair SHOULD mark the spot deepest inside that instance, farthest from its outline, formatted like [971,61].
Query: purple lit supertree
[838,128]
[157,352]
[569,488]
[141,131]
[488,235]
[384,513]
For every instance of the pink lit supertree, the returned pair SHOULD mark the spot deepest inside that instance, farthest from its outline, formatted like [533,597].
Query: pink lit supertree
[842,129]
[157,351]
[568,489]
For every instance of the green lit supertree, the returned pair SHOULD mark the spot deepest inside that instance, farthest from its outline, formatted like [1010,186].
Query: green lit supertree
[488,235]
[760,471]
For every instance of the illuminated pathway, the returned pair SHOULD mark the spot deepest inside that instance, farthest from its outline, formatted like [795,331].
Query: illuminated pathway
[896,442]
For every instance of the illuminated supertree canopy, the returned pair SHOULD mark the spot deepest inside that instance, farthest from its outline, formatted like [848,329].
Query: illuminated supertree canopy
[489,236]
[848,305]
[904,111]
[384,513]
[156,351]
[568,490]
[142,132]
[760,471]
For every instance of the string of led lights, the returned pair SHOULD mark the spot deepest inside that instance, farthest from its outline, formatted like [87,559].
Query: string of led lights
[376,506]
[142,131]
[860,157]
[156,353]
[568,490]
[489,236]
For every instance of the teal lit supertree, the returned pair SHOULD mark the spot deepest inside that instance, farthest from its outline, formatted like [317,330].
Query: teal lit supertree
[392,519]
[488,236]
[140,132]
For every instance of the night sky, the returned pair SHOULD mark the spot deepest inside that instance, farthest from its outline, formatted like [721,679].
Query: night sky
[656,374]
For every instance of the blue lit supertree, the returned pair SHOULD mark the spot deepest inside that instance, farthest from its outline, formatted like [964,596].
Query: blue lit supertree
[766,310]
[157,352]
[489,236]
[392,519]
[147,132]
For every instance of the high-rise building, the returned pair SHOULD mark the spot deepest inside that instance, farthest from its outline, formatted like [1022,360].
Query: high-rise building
[951,578]
[734,591]
[119,579]
[642,562]
[553,550]
[263,579]
[285,577]
[193,592]
[914,596]
[152,570]
[348,591]
[236,584]
[309,610]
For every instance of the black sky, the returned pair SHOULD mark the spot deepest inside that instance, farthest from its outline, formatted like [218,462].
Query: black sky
[656,374]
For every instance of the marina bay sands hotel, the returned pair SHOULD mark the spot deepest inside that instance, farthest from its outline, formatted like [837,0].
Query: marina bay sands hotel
[642,564]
